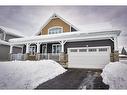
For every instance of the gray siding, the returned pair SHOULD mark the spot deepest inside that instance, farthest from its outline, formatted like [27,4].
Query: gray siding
[84,44]
[79,44]
[90,44]
[4,49]
[4,52]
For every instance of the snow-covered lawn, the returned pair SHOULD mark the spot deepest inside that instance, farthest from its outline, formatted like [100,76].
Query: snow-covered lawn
[115,75]
[27,74]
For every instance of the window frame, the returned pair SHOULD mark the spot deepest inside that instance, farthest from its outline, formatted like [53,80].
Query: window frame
[3,35]
[31,51]
[55,27]
[56,48]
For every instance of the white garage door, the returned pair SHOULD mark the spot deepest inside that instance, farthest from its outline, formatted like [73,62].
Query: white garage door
[88,57]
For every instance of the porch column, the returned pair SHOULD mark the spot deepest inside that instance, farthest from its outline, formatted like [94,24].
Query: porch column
[62,57]
[27,47]
[116,51]
[11,49]
[62,45]
[38,47]
[115,44]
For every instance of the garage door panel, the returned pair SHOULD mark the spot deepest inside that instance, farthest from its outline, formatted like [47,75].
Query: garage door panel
[88,59]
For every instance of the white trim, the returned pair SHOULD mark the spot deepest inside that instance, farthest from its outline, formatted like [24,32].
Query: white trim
[95,47]
[115,44]
[56,27]
[69,37]
[62,45]
[53,18]
[38,47]
[27,47]
[11,49]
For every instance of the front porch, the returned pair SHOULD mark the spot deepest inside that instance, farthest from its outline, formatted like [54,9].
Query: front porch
[40,51]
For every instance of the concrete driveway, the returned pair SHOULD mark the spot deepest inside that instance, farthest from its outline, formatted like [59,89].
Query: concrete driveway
[76,79]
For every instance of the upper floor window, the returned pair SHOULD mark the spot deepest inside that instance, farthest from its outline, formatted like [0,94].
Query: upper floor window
[55,30]
[2,35]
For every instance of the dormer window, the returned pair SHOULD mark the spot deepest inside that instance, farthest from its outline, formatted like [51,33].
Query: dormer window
[55,30]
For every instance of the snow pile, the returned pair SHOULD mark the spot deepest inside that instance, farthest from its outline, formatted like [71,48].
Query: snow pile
[115,75]
[27,74]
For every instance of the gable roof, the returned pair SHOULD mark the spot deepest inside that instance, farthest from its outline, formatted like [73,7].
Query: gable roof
[11,31]
[56,16]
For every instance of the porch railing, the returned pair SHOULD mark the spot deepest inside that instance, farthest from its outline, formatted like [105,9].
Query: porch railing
[56,57]
[19,56]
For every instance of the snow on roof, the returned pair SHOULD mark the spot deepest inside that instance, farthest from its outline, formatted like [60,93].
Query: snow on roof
[4,42]
[96,27]
[11,31]
[66,36]
[103,26]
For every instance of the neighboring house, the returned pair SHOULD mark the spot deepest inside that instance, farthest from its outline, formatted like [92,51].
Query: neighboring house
[5,35]
[63,42]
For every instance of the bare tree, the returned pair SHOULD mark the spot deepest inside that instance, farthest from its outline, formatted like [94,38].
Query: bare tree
[123,51]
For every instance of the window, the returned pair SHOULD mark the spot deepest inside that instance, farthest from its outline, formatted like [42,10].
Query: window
[82,50]
[56,48]
[32,50]
[1,36]
[73,50]
[92,50]
[102,49]
[55,30]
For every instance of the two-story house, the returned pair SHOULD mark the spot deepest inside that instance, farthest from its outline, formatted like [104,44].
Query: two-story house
[6,34]
[61,41]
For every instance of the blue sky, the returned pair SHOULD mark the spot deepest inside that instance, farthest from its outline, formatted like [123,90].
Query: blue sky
[29,19]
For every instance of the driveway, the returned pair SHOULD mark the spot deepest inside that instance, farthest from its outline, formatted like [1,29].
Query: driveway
[76,79]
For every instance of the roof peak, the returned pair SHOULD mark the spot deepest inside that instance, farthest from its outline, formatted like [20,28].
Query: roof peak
[53,16]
